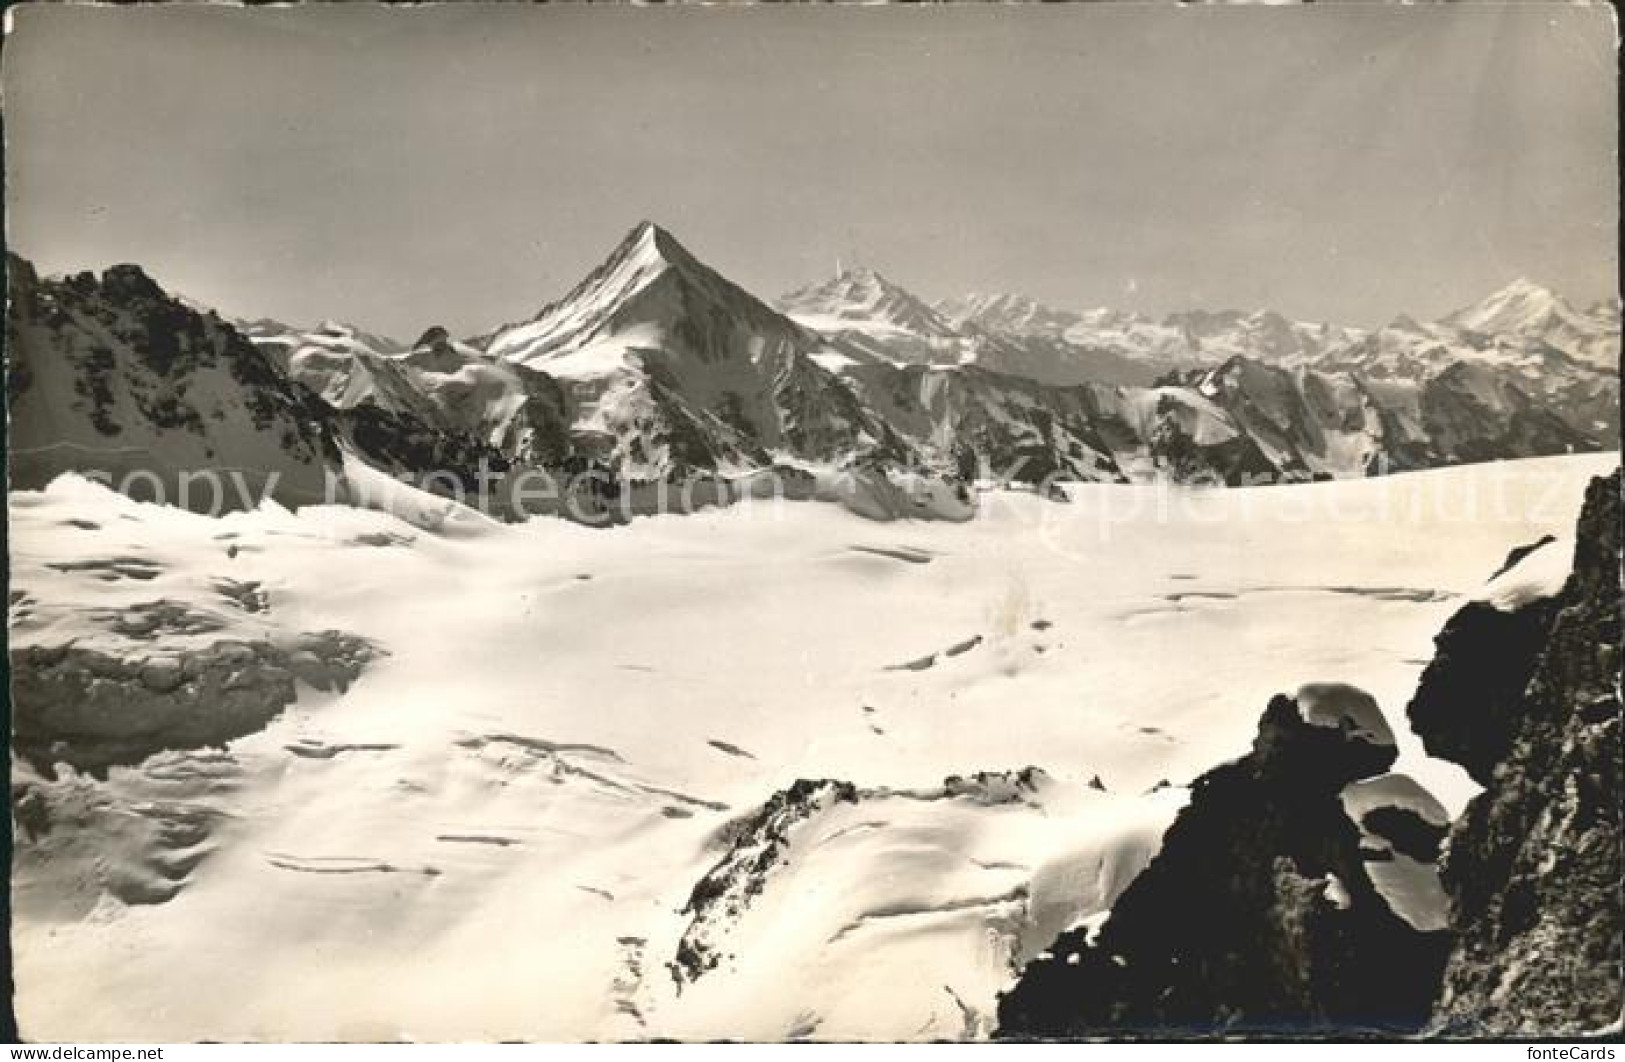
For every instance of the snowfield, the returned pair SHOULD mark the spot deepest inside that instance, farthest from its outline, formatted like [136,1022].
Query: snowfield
[558,798]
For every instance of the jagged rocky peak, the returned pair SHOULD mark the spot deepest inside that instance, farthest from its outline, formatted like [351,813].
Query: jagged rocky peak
[648,251]
[128,282]
[1237,373]
[997,787]
[1277,901]
[1524,693]
[1324,737]
[652,286]
[115,377]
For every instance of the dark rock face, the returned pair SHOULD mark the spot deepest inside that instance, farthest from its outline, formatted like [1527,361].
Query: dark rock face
[1258,913]
[1473,414]
[1518,554]
[414,451]
[112,378]
[1529,702]
[1466,707]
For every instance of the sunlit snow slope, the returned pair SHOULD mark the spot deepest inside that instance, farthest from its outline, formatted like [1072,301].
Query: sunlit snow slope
[500,816]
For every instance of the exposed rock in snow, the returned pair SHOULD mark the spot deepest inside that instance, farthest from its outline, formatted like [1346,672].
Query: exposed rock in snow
[1259,912]
[439,415]
[117,657]
[883,886]
[1471,695]
[531,771]
[1394,807]
[755,846]
[1528,701]
[112,376]
[879,494]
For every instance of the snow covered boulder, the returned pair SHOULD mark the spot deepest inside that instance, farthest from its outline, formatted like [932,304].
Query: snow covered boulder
[1329,730]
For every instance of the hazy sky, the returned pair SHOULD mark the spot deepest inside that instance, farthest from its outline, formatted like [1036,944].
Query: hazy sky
[465,164]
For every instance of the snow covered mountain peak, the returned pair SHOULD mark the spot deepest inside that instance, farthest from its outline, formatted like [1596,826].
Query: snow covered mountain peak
[649,283]
[1518,307]
[861,299]
[1530,312]
[356,335]
[648,246]
[283,342]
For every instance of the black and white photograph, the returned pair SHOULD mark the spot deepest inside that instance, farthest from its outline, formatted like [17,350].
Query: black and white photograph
[822,523]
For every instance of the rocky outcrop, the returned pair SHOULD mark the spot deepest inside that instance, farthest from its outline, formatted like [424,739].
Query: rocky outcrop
[1304,890]
[1527,699]
[1261,912]
[92,708]
[755,845]
[1471,693]
[113,377]
[881,913]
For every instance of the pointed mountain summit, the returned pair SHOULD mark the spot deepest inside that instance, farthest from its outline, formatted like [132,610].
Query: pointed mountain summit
[677,369]
[1524,310]
[652,293]
[864,300]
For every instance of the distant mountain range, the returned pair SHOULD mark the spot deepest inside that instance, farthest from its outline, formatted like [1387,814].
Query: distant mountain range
[656,368]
